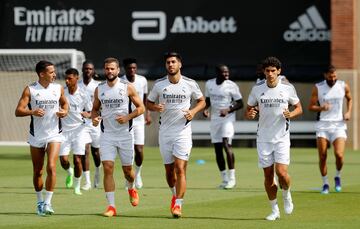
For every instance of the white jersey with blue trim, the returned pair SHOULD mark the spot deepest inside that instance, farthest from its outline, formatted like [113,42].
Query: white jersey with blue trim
[273,126]
[177,98]
[141,87]
[78,102]
[114,102]
[48,100]
[221,97]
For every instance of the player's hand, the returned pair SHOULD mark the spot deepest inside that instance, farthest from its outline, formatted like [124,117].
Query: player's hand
[188,114]
[61,113]
[251,113]
[161,107]
[326,107]
[38,112]
[148,119]
[122,118]
[347,116]
[96,121]
[206,113]
[85,114]
[287,113]
[224,112]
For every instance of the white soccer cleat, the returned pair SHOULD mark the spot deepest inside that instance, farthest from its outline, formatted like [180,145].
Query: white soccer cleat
[138,182]
[86,187]
[273,216]
[231,184]
[48,210]
[96,179]
[223,184]
[288,206]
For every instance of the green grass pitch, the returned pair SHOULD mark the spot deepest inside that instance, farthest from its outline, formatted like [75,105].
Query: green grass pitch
[205,206]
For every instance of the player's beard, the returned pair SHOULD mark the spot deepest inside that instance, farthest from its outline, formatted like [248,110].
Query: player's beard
[110,79]
[331,82]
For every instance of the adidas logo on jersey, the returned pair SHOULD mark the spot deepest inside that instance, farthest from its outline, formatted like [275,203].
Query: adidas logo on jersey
[308,27]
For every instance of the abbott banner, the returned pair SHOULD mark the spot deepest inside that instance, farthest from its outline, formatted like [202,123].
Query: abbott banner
[206,34]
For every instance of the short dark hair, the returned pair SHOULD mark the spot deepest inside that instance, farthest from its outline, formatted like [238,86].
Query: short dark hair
[87,62]
[271,61]
[172,54]
[72,71]
[112,60]
[42,65]
[329,69]
[219,66]
[129,60]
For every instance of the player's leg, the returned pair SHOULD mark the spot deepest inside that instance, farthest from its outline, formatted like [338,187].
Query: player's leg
[139,157]
[86,167]
[77,173]
[37,158]
[230,157]
[216,139]
[322,145]
[95,152]
[64,159]
[339,151]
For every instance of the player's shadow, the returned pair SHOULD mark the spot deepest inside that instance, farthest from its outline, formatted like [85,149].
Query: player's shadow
[189,217]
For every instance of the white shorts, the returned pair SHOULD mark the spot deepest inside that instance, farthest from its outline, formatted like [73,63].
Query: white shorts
[42,143]
[74,142]
[221,130]
[178,146]
[270,153]
[111,145]
[331,135]
[139,134]
[92,135]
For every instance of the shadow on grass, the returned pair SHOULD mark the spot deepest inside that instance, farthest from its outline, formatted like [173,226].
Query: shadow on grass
[189,217]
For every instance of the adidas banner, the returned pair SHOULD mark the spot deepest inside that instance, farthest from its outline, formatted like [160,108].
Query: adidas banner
[298,32]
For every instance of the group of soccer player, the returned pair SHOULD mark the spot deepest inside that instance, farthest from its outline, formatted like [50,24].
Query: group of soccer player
[107,118]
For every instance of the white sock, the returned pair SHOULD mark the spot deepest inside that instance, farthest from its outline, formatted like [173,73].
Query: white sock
[97,170]
[173,190]
[325,179]
[48,197]
[224,175]
[130,185]
[274,205]
[70,171]
[110,196]
[138,170]
[39,196]
[179,202]
[77,181]
[87,177]
[337,174]
[286,193]
[232,174]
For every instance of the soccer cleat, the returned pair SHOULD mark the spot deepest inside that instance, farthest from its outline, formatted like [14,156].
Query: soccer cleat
[223,184]
[133,196]
[337,184]
[69,179]
[231,184]
[96,179]
[77,191]
[40,208]
[138,182]
[48,210]
[86,187]
[273,216]
[288,205]
[173,200]
[325,189]
[110,211]
[176,211]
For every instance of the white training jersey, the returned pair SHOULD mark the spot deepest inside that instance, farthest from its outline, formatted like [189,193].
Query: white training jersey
[273,126]
[90,90]
[48,100]
[176,97]
[114,101]
[78,102]
[334,96]
[141,87]
[221,97]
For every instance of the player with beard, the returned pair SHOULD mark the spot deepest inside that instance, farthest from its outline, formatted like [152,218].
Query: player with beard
[327,99]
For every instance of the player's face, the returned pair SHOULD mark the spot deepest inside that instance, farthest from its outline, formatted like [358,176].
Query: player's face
[224,73]
[271,74]
[331,78]
[71,80]
[88,71]
[49,74]
[112,71]
[173,66]
[130,69]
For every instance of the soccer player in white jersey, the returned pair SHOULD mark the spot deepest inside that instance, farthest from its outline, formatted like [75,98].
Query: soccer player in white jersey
[73,125]
[224,97]
[92,133]
[171,96]
[45,102]
[271,99]
[141,87]
[327,99]
[114,98]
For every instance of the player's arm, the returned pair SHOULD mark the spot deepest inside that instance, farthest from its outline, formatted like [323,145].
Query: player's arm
[349,102]
[251,112]
[147,112]
[206,109]
[95,117]
[295,112]
[314,102]
[200,104]
[64,105]
[136,100]
[152,106]
[236,105]
[22,107]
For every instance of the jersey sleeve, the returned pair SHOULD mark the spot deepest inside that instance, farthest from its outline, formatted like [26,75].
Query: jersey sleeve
[252,101]
[293,98]
[196,92]
[153,95]
[235,93]
[207,89]
[87,102]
